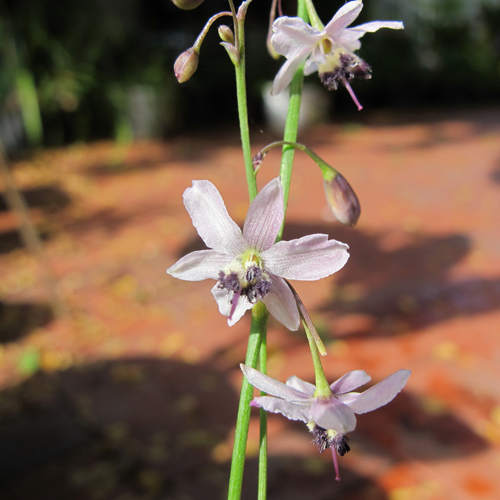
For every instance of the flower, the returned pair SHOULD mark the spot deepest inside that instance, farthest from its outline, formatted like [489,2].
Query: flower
[248,265]
[331,417]
[330,51]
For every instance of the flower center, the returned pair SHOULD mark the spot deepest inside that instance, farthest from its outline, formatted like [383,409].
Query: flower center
[245,276]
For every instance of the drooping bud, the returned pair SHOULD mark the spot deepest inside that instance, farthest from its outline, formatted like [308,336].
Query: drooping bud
[257,160]
[342,199]
[226,34]
[186,65]
[187,4]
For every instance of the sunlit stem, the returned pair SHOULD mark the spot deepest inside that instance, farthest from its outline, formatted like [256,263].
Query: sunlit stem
[241,95]
[328,171]
[257,329]
[262,476]
[322,386]
[205,30]
[307,322]
[292,124]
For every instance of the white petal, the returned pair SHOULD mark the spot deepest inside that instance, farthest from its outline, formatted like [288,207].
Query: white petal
[373,26]
[286,72]
[350,381]
[292,411]
[294,39]
[291,35]
[210,218]
[381,393]
[273,387]
[199,265]
[332,414]
[301,385]
[223,299]
[281,304]
[311,66]
[308,258]
[343,18]
[265,216]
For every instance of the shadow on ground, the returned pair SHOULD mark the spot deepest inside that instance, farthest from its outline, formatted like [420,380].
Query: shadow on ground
[152,429]
[404,286]
[19,319]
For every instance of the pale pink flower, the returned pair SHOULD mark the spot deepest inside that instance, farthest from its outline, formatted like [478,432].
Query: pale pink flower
[329,417]
[330,51]
[248,265]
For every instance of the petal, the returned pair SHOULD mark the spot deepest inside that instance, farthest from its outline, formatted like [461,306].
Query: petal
[332,414]
[272,386]
[349,38]
[281,303]
[295,39]
[199,265]
[343,18]
[223,299]
[265,216]
[292,35]
[301,385]
[380,394]
[373,26]
[293,411]
[311,66]
[350,381]
[286,72]
[308,258]
[210,218]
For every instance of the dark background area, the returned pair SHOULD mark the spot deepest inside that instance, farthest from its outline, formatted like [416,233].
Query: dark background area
[94,68]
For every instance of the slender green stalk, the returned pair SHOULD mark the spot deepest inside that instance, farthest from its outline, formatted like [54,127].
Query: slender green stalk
[241,96]
[322,387]
[262,484]
[292,123]
[258,326]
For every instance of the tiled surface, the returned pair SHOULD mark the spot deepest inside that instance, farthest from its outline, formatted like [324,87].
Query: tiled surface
[136,391]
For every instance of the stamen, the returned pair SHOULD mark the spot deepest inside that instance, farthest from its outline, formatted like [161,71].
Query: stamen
[234,303]
[336,464]
[352,94]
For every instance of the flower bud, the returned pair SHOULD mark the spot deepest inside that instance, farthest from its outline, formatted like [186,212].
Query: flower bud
[226,34]
[187,4]
[186,65]
[342,200]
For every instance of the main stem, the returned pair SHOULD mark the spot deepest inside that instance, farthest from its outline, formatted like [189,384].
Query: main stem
[292,124]
[241,96]
[258,326]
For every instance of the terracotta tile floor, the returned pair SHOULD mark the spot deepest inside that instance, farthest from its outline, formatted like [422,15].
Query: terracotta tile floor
[134,395]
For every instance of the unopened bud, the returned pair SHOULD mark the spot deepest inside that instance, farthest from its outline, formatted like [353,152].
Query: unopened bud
[257,160]
[186,65]
[226,34]
[342,200]
[187,4]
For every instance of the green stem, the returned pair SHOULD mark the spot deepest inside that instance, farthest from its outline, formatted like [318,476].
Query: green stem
[313,16]
[292,124]
[241,96]
[262,483]
[258,326]
[322,387]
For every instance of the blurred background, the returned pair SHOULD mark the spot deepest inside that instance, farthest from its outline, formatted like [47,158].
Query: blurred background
[118,382]
[102,69]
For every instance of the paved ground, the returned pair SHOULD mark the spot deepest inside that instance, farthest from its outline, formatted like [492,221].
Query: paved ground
[133,396]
